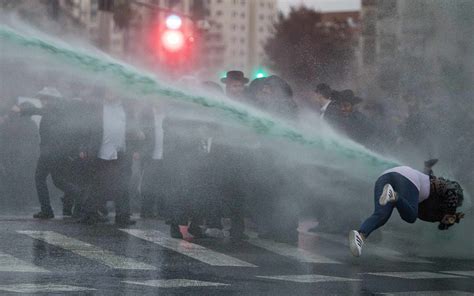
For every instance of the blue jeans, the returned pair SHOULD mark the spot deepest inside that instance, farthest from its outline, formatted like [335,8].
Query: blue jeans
[407,203]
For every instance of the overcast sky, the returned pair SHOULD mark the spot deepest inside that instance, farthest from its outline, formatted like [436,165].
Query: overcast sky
[322,5]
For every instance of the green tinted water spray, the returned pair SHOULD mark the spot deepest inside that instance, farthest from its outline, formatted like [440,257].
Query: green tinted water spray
[144,83]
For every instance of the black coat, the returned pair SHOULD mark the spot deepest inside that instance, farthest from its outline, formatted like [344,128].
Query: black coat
[53,131]
[332,114]
[147,126]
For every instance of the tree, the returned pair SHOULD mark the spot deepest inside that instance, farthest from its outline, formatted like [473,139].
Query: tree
[305,50]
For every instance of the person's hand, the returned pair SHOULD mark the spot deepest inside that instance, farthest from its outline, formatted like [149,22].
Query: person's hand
[459,216]
[82,155]
[16,109]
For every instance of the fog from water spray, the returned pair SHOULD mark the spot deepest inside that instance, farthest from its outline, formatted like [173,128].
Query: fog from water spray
[317,164]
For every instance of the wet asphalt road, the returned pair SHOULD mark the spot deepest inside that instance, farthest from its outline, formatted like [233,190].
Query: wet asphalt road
[60,257]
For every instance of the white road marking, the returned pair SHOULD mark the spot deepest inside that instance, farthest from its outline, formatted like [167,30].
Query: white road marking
[388,254]
[194,251]
[88,251]
[42,288]
[286,250]
[461,272]
[9,263]
[308,278]
[418,275]
[428,293]
[175,283]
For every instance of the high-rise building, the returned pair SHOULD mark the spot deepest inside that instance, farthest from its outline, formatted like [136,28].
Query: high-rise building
[228,34]
[407,45]
[237,35]
[98,25]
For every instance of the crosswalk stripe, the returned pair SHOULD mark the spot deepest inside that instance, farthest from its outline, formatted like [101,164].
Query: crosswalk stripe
[461,272]
[289,251]
[87,250]
[175,283]
[417,275]
[385,253]
[42,288]
[194,251]
[428,293]
[308,278]
[12,264]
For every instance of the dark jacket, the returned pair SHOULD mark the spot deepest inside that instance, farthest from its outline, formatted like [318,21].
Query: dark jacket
[147,126]
[332,113]
[53,131]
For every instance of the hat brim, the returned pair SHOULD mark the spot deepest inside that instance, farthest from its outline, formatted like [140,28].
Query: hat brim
[46,97]
[245,80]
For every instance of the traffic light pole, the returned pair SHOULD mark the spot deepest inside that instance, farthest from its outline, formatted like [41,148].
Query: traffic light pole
[159,8]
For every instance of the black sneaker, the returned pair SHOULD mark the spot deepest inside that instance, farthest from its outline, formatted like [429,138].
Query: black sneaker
[43,215]
[89,219]
[239,237]
[196,231]
[175,232]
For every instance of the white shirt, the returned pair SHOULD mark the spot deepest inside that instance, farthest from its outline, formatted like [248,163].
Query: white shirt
[113,137]
[324,108]
[158,119]
[420,180]
[206,145]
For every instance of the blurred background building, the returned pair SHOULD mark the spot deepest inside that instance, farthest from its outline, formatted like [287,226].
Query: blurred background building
[408,50]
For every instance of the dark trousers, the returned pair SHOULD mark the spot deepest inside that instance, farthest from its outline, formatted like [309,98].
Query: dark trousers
[58,167]
[153,187]
[407,203]
[190,189]
[232,184]
[109,181]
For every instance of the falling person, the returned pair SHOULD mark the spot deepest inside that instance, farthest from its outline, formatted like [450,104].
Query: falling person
[414,195]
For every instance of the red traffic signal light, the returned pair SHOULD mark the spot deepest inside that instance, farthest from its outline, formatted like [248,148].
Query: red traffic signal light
[173,40]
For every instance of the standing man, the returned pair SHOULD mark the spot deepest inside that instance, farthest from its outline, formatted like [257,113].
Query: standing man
[235,82]
[55,148]
[232,179]
[113,141]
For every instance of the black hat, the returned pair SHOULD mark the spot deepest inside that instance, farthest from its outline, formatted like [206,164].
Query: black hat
[324,89]
[346,95]
[235,75]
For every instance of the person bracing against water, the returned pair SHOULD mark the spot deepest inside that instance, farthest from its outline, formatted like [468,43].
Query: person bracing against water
[414,195]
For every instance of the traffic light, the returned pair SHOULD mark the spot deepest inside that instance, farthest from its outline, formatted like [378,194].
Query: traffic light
[173,22]
[172,38]
[260,73]
[172,41]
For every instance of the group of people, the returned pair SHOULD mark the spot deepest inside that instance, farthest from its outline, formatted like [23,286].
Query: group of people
[88,145]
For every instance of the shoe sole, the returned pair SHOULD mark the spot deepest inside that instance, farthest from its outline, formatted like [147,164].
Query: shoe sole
[354,250]
[384,198]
